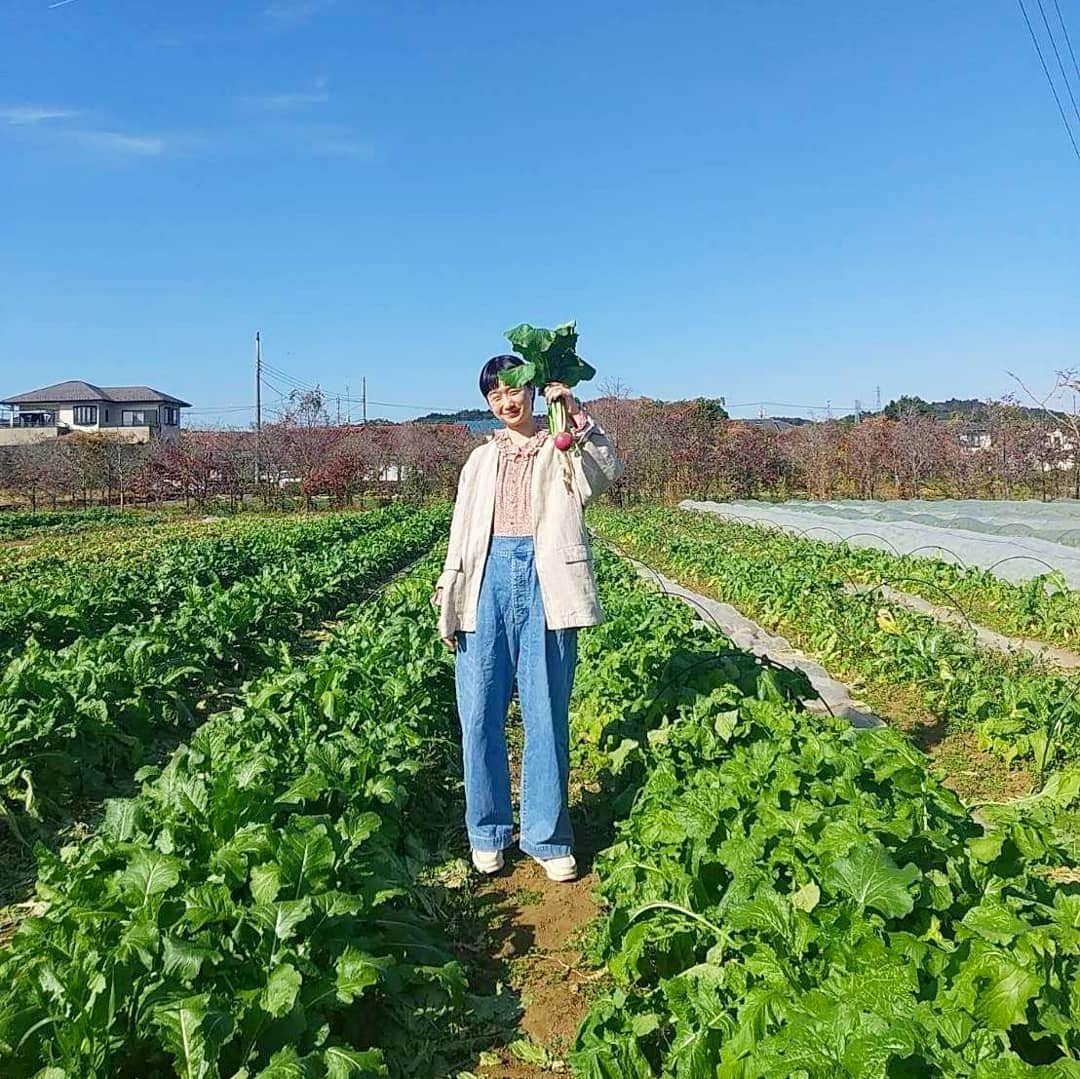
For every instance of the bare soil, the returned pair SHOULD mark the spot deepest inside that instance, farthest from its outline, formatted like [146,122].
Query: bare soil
[538,924]
[535,936]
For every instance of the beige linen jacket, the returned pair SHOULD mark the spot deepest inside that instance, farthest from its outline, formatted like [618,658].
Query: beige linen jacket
[563,558]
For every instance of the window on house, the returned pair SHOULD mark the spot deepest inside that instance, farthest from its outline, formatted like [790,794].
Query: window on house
[138,417]
[85,414]
[106,415]
[170,416]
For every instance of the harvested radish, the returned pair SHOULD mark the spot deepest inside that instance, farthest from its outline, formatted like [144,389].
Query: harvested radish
[550,356]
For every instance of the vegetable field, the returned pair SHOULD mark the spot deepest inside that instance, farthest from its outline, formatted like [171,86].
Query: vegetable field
[283,891]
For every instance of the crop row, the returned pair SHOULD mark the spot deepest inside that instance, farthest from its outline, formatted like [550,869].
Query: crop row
[1042,608]
[22,523]
[253,910]
[1019,707]
[57,607]
[101,548]
[255,907]
[71,717]
[787,896]
[792,896]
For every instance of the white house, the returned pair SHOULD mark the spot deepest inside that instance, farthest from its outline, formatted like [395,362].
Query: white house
[130,413]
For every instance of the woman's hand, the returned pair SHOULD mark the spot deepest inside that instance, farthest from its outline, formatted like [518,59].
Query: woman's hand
[436,601]
[553,391]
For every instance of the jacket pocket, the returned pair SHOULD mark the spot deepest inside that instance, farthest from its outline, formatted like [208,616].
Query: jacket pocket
[577,591]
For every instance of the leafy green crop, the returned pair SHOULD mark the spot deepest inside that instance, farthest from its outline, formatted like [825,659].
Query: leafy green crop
[22,523]
[790,896]
[1020,707]
[60,605]
[252,910]
[71,718]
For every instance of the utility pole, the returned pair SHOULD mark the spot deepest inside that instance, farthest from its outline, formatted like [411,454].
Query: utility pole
[339,410]
[348,406]
[363,399]
[258,403]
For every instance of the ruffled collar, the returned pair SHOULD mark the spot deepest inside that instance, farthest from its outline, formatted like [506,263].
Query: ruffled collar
[529,448]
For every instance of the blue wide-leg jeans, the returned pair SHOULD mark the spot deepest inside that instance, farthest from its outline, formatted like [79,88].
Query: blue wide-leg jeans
[512,639]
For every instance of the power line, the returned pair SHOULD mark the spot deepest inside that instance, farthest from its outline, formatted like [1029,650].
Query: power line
[1049,79]
[1057,56]
[780,404]
[1068,41]
[309,388]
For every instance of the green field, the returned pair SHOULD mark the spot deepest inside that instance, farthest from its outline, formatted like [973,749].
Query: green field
[236,758]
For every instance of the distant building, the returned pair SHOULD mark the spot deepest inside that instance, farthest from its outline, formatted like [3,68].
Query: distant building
[767,423]
[975,441]
[130,413]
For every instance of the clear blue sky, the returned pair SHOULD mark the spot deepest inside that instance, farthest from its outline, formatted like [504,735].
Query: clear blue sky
[780,201]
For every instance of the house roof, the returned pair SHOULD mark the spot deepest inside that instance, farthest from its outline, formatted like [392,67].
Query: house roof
[768,423]
[77,391]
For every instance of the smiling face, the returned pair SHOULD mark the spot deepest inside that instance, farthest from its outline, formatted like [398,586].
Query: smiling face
[512,405]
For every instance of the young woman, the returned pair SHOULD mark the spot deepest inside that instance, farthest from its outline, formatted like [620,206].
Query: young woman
[517,584]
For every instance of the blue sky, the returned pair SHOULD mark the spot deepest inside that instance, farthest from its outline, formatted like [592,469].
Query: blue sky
[780,201]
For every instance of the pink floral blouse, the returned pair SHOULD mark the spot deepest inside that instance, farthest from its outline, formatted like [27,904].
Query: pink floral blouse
[513,484]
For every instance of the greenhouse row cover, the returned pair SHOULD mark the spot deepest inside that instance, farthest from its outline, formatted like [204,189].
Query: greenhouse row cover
[965,532]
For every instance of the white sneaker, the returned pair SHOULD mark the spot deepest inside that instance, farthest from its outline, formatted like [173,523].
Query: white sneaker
[562,869]
[487,861]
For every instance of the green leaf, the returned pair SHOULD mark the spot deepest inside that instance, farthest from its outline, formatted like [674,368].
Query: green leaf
[1003,1001]
[192,1032]
[281,990]
[305,855]
[182,959]
[122,817]
[283,918]
[148,873]
[288,1064]
[356,970]
[265,882]
[552,353]
[807,897]
[994,921]
[528,1052]
[342,1063]
[870,877]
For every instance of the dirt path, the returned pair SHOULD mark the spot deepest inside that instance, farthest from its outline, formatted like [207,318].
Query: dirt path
[537,928]
[535,937]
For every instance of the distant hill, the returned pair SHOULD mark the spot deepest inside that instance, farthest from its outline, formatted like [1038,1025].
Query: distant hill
[478,420]
[463,415]
[955,408]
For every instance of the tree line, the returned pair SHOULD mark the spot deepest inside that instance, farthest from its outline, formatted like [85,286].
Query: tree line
[672,450]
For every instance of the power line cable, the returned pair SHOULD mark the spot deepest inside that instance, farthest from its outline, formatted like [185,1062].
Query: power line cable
[309,388]
[1050,81]
[1068,40]
[1057,56]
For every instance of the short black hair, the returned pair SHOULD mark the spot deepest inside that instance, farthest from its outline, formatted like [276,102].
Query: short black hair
[489,373]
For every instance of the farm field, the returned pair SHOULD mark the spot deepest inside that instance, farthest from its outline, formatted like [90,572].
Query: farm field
[23,523]
[921,672]
[1017,540]
[285,893]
